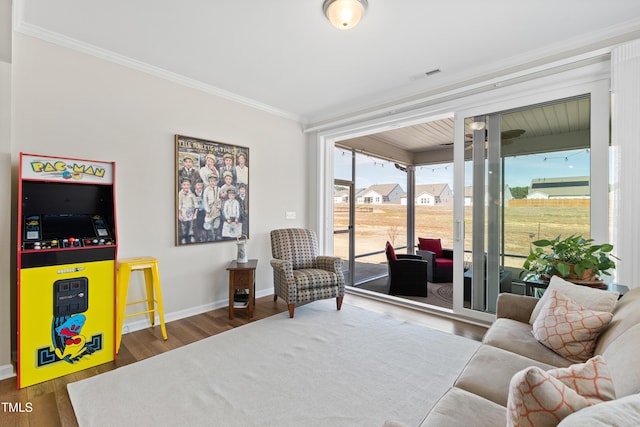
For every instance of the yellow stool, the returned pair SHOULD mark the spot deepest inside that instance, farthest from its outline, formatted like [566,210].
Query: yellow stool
[149,266]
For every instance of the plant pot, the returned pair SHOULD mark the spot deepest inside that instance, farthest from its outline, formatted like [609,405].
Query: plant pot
[586,276]
[599,284]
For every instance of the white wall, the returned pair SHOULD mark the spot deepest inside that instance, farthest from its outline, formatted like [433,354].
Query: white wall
[6,248]
[71,104]
[5,177]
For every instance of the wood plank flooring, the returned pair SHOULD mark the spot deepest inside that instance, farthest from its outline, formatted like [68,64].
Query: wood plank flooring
[50,402]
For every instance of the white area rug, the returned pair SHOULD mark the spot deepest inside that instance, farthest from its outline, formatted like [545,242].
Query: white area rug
[323,368]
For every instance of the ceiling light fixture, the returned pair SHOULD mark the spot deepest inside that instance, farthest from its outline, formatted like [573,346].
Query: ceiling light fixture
[344,14]
[478,123]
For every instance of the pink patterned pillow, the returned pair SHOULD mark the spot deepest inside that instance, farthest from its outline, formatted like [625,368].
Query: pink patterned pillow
[568,328]
[541,398]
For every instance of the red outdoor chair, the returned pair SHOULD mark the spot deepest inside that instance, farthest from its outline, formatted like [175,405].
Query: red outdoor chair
[440,260]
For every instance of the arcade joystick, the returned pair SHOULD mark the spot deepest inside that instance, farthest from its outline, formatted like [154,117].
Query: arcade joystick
[71,242]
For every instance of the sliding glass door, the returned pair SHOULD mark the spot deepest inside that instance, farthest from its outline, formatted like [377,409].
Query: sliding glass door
[483,205]
[527,177]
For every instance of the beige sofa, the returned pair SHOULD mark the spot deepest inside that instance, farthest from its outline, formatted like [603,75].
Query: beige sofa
[479,395]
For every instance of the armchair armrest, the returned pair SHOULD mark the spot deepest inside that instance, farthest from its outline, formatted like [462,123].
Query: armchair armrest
[282,265]
[408,256]
[427,255]
[431,256]
[284,284]
[330,263]
[516,307]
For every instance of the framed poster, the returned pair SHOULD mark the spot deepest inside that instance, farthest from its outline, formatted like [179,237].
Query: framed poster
[212,191]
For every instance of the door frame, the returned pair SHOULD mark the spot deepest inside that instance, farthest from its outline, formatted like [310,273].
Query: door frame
[350,227]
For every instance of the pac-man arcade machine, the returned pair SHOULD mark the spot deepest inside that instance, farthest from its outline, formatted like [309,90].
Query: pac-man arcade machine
[66,266]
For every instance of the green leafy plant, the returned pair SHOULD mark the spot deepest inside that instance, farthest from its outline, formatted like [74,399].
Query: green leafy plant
[573,257]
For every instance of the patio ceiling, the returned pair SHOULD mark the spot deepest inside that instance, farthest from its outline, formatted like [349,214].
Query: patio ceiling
[554,126]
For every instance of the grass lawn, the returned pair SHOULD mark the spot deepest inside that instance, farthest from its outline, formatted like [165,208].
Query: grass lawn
[375,224]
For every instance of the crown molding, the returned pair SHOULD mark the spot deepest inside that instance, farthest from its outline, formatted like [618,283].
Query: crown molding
[107,55]
[601,40]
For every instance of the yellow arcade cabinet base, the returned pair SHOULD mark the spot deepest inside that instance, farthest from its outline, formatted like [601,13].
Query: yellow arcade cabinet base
[66,319]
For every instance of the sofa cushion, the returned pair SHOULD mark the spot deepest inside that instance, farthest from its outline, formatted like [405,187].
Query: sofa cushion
[538,397]
[444,262]
[516,337]
[314,278]
[459,408]
[623,358]
[620,412]
[432,245]
[568,328]
[490,370]
[591,298]
[390,251]
[625,315]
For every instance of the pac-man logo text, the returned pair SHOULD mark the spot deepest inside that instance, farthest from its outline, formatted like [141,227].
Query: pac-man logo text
[74,170]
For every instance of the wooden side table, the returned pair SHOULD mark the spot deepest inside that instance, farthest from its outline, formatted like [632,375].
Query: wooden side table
[242,276]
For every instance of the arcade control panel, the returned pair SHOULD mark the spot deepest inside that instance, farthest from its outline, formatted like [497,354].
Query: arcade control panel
[37,237]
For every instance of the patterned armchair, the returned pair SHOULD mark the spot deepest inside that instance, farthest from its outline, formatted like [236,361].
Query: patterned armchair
[299,273]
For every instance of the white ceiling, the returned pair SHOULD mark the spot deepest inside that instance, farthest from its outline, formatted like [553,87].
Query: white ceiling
[285,57]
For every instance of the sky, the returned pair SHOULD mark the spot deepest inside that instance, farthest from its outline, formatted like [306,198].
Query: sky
[519,170]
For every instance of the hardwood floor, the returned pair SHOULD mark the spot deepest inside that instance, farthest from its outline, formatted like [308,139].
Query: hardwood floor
[50,402]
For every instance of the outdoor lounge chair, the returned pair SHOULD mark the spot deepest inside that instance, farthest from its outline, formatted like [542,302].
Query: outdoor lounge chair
[407,273]
[440,260]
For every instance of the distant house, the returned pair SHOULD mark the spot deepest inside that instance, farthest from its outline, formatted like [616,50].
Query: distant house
[468,196]
[432,195]
[577,187]
[341,196]
[379,194]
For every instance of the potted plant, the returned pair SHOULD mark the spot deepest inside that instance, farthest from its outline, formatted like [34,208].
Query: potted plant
[573,258]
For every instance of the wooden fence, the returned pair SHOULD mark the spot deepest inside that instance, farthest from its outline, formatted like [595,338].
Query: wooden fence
[577,203]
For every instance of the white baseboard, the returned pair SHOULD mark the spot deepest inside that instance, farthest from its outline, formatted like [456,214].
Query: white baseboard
[177,315]
[7,371]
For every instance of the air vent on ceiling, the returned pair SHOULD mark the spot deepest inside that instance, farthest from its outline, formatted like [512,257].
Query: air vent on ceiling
[425,74]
